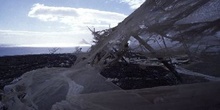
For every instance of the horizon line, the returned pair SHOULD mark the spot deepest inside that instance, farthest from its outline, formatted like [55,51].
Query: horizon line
[47,45]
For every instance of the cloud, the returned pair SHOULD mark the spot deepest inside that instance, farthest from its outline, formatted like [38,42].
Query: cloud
[76,17]
[134,4]
[71,26]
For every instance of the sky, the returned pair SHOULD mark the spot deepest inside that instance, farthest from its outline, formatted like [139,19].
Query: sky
[59,23]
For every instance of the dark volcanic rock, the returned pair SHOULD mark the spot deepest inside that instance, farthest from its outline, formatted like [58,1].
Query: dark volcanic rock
[12,67]
[126,76]
[132,76]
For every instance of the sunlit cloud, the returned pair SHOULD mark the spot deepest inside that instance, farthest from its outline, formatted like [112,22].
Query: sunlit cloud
[76,17]
[72,26]
[73,29]
[134,4]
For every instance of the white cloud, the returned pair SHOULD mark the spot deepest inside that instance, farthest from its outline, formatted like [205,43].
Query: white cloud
[73,29]
[76,17]
[72,22]
[134,4]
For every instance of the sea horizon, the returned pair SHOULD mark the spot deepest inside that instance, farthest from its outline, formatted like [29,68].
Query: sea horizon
[19,50]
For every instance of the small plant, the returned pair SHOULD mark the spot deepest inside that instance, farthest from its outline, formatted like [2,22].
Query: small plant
[53,50]
[78,50]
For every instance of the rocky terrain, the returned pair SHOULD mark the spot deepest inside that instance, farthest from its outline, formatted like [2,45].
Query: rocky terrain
[12,67]
[126,76]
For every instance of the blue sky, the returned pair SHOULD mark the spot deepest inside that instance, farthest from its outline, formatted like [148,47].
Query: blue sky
[58,22]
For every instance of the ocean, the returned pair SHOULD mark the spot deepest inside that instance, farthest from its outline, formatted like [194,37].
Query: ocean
[11,51]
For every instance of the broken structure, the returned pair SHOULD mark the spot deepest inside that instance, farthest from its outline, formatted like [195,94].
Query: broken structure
[159,29]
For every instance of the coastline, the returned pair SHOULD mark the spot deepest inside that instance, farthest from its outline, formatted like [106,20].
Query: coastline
[14,51]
